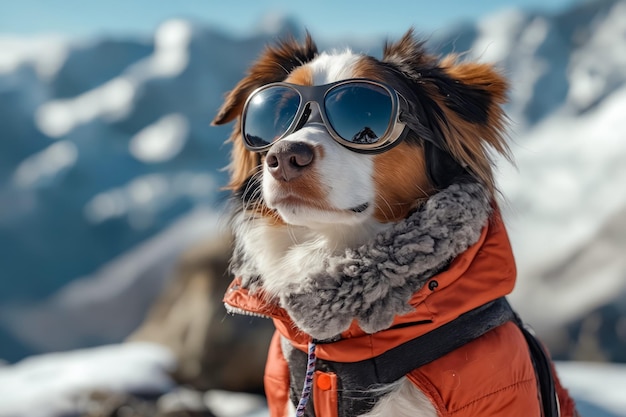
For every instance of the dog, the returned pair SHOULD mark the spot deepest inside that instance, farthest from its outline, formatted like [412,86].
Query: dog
[366,226]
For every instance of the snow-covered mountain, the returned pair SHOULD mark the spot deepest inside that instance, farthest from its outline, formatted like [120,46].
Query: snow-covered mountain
[107,143]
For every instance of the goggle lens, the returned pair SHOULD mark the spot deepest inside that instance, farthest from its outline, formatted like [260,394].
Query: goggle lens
[269,115]
[359,113]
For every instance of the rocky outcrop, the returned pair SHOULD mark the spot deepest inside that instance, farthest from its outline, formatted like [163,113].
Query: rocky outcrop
[217,354]
[214,350]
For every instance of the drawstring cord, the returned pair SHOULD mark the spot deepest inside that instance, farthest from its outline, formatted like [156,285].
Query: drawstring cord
[308,381]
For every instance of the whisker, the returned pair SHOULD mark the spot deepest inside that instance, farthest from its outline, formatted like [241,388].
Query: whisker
[281,66]
[292,234]
[426,194]
[387,218]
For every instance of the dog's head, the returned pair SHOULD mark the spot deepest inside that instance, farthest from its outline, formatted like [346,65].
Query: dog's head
[451,114]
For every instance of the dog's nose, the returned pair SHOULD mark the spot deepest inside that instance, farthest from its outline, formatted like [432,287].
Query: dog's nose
[288,160]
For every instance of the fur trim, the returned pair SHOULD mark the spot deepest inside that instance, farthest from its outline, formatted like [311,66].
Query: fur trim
[374,282]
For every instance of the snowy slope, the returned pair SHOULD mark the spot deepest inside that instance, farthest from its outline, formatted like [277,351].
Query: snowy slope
[57,384]
[569,184]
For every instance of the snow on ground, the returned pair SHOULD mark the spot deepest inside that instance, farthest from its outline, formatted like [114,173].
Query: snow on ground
[599,384]
[57,384]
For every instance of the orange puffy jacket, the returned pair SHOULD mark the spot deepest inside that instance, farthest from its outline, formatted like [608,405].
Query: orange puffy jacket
[490,376]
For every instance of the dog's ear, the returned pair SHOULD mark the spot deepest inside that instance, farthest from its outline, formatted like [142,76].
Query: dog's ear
[463,104]
[274,64]
[472,95]
[409,55]
[243,163]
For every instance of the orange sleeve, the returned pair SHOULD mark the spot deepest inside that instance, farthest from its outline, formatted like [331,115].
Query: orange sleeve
[276,379]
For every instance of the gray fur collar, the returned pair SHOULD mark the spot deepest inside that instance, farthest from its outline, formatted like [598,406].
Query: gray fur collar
[374,282]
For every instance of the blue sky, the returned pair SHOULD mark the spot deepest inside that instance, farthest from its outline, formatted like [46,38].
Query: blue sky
[324,18]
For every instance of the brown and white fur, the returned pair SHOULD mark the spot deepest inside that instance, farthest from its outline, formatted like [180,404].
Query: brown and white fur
[294,214]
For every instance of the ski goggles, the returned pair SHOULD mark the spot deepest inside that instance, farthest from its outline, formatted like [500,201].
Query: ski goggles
[360,114]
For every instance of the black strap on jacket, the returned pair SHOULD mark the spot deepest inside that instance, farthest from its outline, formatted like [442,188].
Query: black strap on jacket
[357,381]
[543,370]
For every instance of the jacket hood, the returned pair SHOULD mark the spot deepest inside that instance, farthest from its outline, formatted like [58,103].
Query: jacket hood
[448,257]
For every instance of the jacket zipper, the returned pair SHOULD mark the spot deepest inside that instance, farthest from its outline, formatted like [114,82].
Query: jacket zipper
[235,310]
